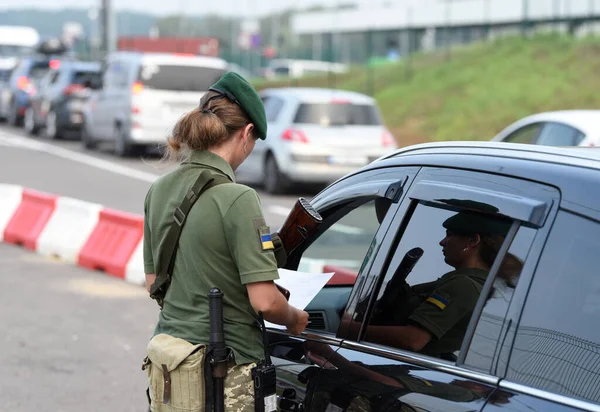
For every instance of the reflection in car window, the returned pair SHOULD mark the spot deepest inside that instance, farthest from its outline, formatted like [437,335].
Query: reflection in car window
[557,347]
[525,134]
[346,242]
[435,278]
[343,248]
[556,134]
[491,322]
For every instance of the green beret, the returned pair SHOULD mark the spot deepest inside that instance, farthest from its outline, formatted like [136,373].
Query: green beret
[470,223]
[238,90]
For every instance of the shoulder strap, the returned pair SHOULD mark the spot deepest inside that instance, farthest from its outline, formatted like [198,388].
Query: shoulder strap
[166,260]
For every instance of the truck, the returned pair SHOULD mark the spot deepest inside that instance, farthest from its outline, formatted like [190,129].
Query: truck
[201,46]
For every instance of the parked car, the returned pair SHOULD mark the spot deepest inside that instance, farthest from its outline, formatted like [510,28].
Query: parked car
[315,136]
[143,95]
[22,85]
[299,68]
[531,340]
[560,128]
[57,108]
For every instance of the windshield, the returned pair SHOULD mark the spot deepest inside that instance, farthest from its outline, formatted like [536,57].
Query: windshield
[184,78]
[334,114]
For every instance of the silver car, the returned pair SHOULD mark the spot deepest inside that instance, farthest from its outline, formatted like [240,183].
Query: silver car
[315,136]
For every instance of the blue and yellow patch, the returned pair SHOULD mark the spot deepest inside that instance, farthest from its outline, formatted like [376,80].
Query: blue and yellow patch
[266,242]
[438,301]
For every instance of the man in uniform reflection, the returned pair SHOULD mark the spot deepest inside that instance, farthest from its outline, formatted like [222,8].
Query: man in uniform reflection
[436,321]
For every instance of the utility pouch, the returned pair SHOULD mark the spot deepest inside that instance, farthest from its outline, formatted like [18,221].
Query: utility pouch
[175,370]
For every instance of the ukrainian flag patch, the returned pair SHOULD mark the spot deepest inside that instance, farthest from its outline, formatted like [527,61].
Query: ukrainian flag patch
[438,301]
[265,238]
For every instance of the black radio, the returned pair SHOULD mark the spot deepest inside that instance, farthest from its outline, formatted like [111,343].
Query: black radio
[265,379]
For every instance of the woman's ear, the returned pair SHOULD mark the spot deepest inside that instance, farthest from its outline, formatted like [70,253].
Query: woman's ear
[248,131]
[474,240]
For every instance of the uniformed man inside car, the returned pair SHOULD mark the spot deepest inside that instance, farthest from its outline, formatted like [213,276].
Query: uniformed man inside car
[437,325]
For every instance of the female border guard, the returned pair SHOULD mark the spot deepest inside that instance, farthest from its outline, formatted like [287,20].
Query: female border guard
[220,246]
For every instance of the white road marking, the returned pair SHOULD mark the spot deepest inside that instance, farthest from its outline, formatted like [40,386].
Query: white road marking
[20,141]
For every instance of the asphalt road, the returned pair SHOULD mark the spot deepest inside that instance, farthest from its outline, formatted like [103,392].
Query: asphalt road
[65,168]
[73,339]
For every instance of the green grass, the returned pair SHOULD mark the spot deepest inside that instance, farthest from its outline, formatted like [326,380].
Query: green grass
[475,91]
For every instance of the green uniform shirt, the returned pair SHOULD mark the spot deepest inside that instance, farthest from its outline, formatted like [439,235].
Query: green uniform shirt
[447,310]
[220,247]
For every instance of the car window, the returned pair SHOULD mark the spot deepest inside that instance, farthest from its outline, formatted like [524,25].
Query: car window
[489,327]
[434,280]
[181,78]
[342,249]
[273,106]
[337,114]
[557,345]
[525,134]
[557,134]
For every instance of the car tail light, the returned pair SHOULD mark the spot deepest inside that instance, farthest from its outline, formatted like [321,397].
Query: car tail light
[135,110]
[72,89]
[184,54]
[294,135]
[137,88]
[23,83]
[340,101]
[387,140]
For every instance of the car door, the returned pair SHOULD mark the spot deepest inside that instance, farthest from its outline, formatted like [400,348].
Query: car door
[559,134]
[356,213]
[375,369]
[551,358]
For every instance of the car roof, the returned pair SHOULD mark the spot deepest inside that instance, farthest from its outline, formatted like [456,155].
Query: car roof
[81,65]
[569,155]
[588,121]
[317,94]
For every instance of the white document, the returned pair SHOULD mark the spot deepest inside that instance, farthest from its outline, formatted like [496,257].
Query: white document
[303,287]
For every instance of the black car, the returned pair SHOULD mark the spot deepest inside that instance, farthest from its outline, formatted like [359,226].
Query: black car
[57,107]
[529,344]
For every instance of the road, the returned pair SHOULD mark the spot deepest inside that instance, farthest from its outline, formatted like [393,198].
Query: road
[65,168]
[73,340]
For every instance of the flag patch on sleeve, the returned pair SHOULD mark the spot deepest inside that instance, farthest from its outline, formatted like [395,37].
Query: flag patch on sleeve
[438,301]
[265,238]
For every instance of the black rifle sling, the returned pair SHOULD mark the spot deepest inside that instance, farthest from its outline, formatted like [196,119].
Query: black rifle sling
[205,181]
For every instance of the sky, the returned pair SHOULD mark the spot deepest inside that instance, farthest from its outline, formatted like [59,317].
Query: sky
[237,7]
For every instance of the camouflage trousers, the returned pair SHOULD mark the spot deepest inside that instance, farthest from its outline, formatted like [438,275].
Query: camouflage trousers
[175,371]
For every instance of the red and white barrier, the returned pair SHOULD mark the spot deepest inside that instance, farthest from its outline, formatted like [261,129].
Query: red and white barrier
[10,199]
[68,229]
[74,231]
[94,237]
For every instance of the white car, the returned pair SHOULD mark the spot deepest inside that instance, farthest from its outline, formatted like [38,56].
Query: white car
[143,95]
[315,136]
[560,128]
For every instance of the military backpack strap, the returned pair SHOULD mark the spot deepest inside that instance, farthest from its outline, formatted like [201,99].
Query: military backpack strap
[166,260]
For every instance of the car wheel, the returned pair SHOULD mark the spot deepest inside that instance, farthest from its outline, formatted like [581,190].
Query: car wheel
[51,129]
[122,146]
[274,179]
[87,139]
[29,122]
[13,116]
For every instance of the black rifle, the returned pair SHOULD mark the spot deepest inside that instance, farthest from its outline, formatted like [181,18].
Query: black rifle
[218,354]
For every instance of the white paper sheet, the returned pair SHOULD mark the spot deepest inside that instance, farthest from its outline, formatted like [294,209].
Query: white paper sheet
[303,287]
